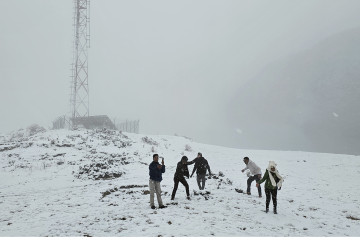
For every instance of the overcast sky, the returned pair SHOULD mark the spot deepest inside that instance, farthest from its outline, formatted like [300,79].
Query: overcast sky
[171,64]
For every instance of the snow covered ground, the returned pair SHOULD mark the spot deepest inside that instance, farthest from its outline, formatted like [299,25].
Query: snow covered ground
[95,183]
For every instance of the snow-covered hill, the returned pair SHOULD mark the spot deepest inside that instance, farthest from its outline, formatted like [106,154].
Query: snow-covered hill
[95,183]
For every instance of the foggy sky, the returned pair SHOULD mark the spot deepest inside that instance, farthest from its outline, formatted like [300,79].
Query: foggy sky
[173,65]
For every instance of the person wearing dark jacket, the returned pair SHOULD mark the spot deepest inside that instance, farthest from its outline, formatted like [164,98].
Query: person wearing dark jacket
[179,176]
[155,171]
[201,165]
[272,185]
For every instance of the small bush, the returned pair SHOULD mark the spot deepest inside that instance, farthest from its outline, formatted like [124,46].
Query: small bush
[188,148]
[149,141]
[34,129]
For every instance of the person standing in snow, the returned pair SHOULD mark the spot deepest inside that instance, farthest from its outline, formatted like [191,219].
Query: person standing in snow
[255,172]
[201,165]
[180,174]
[272,184]
[155,171]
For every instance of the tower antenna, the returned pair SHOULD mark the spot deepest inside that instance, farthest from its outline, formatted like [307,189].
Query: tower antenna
[79,98]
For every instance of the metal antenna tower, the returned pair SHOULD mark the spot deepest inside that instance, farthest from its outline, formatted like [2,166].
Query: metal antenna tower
[79,98]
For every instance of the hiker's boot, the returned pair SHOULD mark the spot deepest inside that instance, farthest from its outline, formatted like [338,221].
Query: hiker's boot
[248,193]
[152,207]
[162,206]
[275,212]
[188,197]
[267,210]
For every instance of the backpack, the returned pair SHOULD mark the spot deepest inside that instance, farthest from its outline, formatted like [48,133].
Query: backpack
[201,166]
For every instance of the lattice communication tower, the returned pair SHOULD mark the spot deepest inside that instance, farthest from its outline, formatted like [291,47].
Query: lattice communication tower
[79,98]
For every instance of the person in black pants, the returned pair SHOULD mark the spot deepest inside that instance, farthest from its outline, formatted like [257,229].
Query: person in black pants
[180,174]
[254,174]
[273,182]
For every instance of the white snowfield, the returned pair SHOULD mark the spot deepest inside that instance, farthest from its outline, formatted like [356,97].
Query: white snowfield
[95,183]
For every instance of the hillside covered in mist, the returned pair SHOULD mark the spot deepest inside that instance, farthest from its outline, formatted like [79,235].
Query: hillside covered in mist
[309,101]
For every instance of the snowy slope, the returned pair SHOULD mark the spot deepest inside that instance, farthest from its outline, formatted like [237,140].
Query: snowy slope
[95,183]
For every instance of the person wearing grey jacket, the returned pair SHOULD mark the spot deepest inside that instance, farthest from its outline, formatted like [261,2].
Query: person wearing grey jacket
[255,172]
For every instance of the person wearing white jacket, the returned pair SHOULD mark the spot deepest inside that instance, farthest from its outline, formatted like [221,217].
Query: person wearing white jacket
[255,174]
